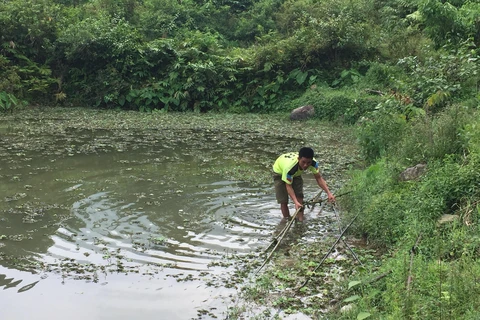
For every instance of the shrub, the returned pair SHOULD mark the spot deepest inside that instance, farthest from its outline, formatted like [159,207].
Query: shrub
[8,102]
[341,105]
[444,77]
[10,80]
[391,209]
[380,76]
[435,136]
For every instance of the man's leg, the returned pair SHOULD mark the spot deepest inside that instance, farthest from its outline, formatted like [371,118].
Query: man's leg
[300,213]
[281,195]
[298,188]
[285,210]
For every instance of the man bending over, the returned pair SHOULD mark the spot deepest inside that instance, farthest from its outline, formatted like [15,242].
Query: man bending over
[288,170]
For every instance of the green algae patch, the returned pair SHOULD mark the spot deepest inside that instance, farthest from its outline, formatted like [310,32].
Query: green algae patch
[211,136]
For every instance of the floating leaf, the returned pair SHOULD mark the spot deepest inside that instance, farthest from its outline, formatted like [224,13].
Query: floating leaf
[27,287]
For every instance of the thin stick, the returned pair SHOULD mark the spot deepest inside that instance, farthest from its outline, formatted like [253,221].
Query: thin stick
[340,229]
[316,200]
[329,251]
[412,254]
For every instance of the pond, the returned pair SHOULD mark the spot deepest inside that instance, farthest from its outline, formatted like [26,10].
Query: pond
[109,215]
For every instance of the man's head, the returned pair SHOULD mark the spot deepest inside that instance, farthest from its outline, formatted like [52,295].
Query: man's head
[305,157]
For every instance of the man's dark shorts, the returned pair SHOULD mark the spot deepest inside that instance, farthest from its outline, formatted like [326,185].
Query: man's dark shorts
[281,190]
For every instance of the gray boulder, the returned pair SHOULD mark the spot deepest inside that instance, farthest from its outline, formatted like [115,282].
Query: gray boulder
[413,173]
[302,113]
[447,218]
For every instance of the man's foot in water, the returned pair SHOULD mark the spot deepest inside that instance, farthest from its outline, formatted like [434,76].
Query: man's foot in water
[299,217]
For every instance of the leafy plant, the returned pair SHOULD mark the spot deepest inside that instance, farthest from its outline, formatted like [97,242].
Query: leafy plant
[337,105]
[8,102]
[441,78]
[347,78]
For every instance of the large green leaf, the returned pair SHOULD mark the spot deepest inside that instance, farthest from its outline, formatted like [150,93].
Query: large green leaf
[363,315]
[352,284]
[352,298]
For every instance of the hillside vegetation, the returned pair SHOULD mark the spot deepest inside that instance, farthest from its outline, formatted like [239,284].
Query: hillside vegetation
[405,74]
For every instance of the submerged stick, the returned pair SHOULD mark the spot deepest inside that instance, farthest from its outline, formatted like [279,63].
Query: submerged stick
[329,251]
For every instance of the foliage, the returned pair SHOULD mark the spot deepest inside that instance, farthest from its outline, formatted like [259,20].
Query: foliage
[329,34]
[102,50]
[25,78]
[10,80]
[30,26]
[451,73]
[380,76]
[8,102]
[256,22]
[379,134]
[337,105]
[226,55]
[401,32]
[405,72]
[396,214]
[431,138]
[447,22]
[392,210]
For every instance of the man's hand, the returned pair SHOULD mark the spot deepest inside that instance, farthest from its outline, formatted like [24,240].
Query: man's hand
[298,205]
[331,197]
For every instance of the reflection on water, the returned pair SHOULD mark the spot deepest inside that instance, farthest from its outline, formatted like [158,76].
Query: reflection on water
[7,283]
[126,224]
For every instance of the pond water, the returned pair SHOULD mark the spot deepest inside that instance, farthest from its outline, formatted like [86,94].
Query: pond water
[125,224]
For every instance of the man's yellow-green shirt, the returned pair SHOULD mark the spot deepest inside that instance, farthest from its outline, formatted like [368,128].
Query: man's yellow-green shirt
[287,166]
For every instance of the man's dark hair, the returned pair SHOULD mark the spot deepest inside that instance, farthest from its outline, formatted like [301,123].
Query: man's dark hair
[306,152]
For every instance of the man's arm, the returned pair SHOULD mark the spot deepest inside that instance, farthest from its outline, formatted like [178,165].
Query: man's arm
[323,184]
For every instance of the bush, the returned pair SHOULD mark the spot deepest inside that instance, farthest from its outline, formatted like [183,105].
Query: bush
[8,102]
[10,80]
[379,134]
[341,105]
[433,137]
[380,76]
[445,261]
[393,211]
[446,76]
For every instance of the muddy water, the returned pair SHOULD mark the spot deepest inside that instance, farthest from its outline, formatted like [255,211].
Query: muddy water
[116,224]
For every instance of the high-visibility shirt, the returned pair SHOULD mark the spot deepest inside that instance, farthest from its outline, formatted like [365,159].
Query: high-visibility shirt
[287,166]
